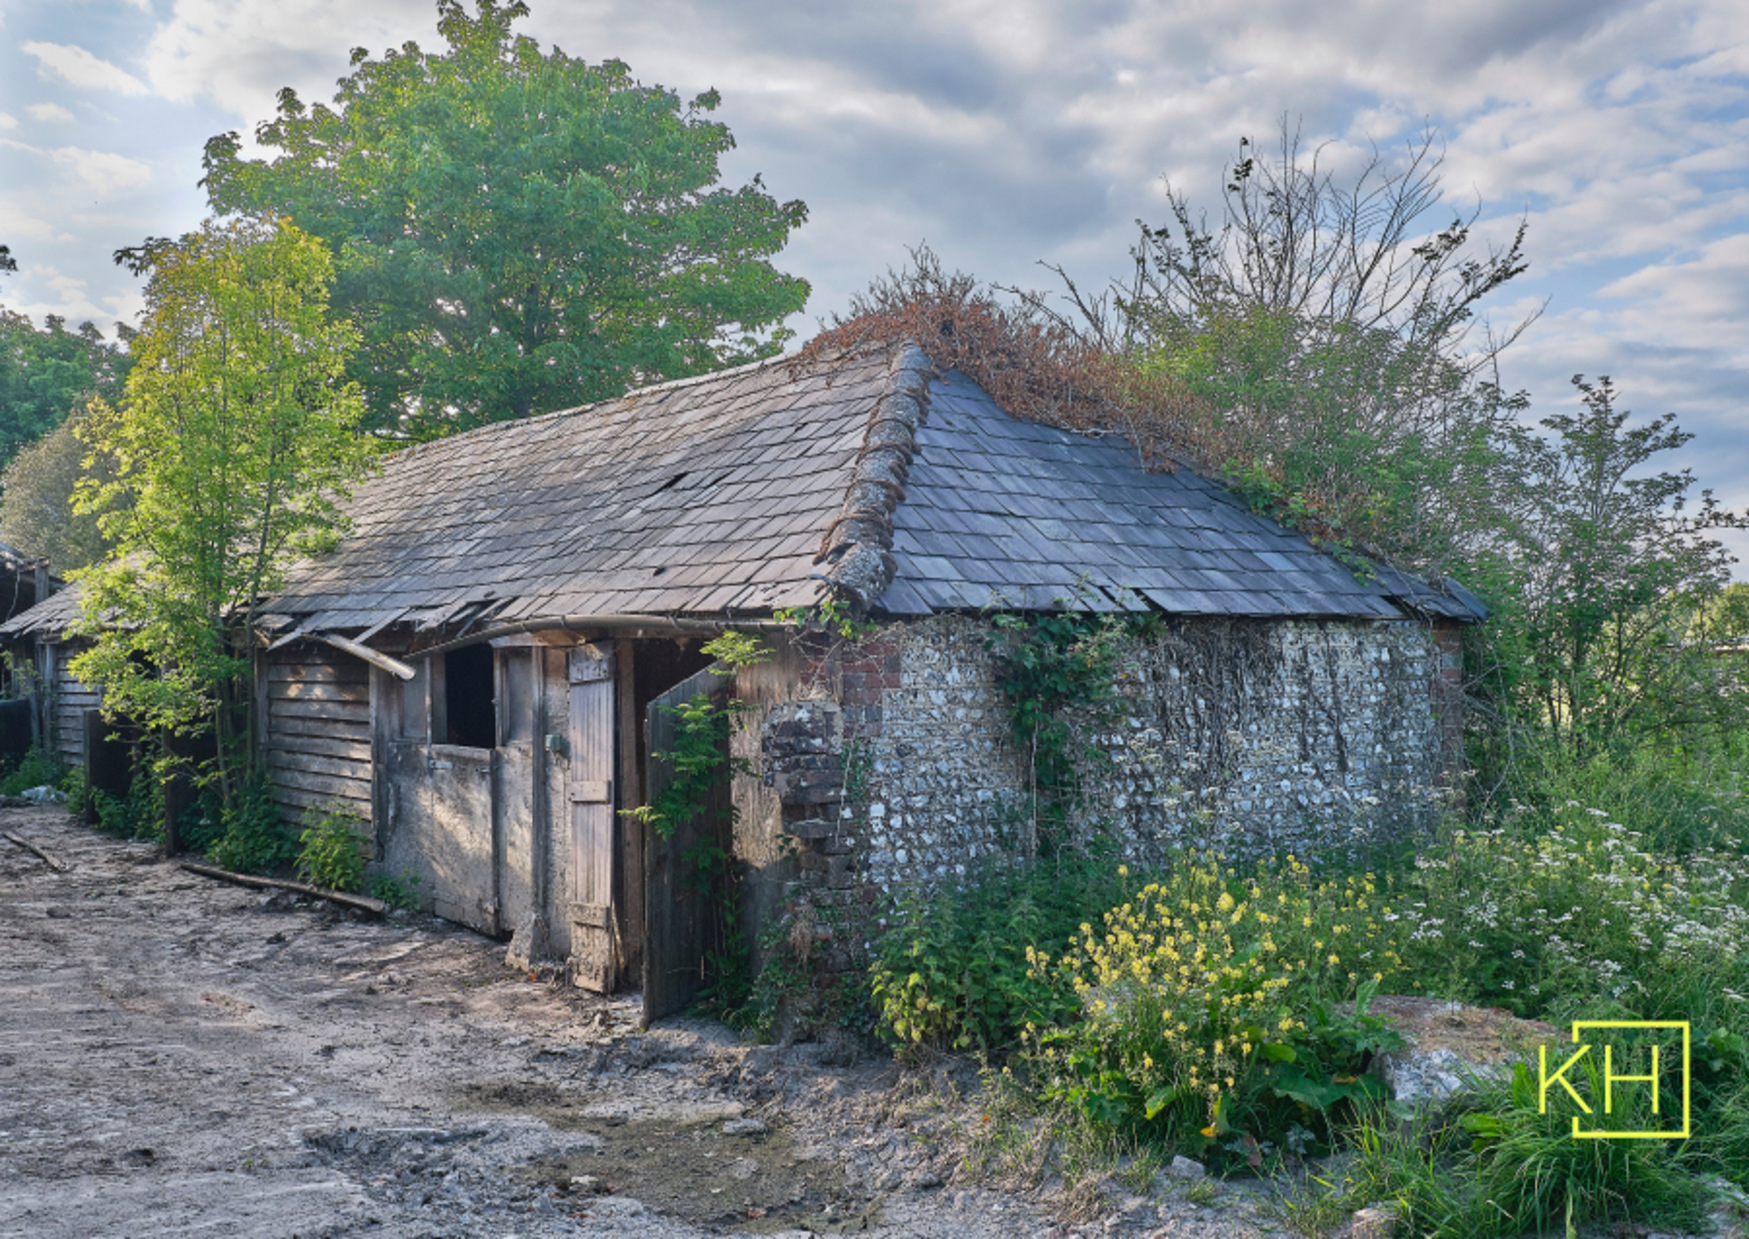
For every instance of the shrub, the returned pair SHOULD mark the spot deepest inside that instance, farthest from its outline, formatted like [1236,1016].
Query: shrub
[331,851]
[397,890]
[954,971]
[1207,1007]
[35,769]
[254,838]
[137,815]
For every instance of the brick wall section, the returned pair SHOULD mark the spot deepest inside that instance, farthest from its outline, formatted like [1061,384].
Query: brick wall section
[891,762]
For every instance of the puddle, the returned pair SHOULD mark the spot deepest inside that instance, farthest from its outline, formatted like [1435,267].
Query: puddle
[676,1158]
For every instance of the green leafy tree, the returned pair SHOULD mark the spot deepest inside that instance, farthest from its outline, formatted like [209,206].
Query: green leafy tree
[37,513]
[237,438]
[46,374]
[518,232]
[1603,567]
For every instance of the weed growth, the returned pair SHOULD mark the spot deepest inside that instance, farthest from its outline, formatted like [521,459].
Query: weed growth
[331,850]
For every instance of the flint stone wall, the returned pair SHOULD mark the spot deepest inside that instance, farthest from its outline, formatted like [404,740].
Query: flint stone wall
[895,766]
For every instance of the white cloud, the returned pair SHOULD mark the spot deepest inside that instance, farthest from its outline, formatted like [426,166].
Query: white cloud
[31,228]
[49,112]
[102,172]
[80,68]
[8,121]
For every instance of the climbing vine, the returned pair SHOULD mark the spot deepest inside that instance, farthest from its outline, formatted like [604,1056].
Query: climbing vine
[1049,664]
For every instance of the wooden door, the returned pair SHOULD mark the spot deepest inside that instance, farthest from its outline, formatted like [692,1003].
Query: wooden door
[678,925]
[590,803]
[443,829]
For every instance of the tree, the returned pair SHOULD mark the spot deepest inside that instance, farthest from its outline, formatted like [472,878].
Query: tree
[46,374]
[36,499]
[1330,340]
[518,232]
[235,442]
[1610,585]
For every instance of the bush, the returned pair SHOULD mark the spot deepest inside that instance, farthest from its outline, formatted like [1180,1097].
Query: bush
[254,839]
[331,851]
[397,890]
[954,973]
[1207,1008]
[35,769]
[137,815]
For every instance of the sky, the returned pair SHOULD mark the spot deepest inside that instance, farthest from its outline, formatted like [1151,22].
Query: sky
[1005,134]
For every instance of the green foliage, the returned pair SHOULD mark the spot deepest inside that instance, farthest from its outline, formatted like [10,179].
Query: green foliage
[48,374]
[1049,665]
[736,649]
[254,837]
[1533,1174]
[35,769]
[698,761]
[1559,910]
[236,442]
[953,971]
[1603,569]
[139,814]
[397,890]
[833,615]
[518,232]
[1205,1009]
[37,512]
[78,792]
[331,850]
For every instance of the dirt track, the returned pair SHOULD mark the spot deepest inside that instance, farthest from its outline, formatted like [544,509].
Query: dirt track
[183,1057]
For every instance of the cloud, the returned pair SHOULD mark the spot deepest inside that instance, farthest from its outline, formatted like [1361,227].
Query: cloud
[80,68]
[8,121]
[49,112]
[102,172]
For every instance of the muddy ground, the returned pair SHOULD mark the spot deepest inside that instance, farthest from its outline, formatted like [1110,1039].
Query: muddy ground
[183,1057]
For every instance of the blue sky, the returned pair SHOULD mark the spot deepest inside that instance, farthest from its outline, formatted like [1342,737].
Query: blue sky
[1009,132]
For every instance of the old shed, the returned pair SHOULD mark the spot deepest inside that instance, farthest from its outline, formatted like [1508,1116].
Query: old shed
[478,669]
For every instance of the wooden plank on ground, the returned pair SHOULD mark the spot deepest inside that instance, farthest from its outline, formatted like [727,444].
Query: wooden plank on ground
[363,903]
[58,865]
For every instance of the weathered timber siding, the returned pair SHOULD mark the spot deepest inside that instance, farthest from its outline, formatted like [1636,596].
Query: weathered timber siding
[318,731]
[69,701]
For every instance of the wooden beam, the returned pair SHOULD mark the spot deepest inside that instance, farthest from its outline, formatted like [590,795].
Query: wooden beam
[362,903]
[59,866]
[375,658]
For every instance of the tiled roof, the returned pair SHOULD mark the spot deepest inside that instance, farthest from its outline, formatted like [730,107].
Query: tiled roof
[51,616]
[717,496]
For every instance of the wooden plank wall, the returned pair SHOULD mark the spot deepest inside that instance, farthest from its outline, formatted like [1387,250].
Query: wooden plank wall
[69,699]
[318,731]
